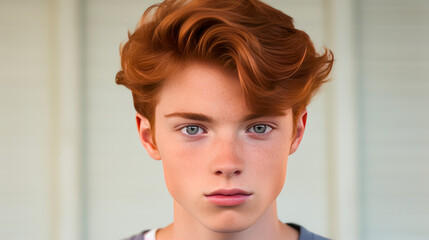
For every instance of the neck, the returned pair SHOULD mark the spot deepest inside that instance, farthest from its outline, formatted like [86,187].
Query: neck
[185,226]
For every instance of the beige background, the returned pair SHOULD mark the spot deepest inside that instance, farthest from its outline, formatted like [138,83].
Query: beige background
[72,166]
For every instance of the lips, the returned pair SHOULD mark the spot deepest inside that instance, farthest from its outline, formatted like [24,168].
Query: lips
[229,192]
[228,197]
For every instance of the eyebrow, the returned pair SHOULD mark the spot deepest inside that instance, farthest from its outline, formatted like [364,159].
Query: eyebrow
[205,118]
[191,116]
[252,116]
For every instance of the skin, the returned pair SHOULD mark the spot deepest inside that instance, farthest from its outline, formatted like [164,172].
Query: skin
[208,139]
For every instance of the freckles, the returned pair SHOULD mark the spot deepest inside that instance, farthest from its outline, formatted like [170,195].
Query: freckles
[269,162]
[183,162]
[271,155]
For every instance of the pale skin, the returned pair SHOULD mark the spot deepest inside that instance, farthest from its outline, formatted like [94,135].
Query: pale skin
[208,139]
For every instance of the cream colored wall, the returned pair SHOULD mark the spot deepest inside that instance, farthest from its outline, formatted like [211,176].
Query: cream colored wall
[40,120]
[72,166]
[394,117]
[25,120]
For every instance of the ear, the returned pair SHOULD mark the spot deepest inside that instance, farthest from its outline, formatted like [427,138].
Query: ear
[300,127]
[146,137]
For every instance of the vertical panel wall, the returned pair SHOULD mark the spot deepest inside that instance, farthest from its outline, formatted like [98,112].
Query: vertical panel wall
[125,191]
[25,120]
[124,187]
[394,96]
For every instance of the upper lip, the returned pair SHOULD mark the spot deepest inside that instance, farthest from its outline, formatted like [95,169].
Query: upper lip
[229,192]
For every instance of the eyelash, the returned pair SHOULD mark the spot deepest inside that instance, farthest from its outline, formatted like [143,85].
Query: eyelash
[184,128]
[268,129]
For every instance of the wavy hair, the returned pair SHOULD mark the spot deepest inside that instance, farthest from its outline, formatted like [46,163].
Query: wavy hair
[277,64]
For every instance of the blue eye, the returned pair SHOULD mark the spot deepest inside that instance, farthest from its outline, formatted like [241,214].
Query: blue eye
[192,130]
[260,129]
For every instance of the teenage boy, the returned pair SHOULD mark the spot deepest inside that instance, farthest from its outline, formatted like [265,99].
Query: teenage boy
[221,88]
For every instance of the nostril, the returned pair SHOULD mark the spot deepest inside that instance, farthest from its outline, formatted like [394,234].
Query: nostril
[237,172]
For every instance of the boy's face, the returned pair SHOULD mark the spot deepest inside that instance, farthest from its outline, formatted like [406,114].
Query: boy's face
[209,140]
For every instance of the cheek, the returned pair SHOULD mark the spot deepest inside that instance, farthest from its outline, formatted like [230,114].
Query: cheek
[180,166]
[269,163]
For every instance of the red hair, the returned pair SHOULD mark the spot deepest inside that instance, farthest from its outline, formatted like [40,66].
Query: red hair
[277,65]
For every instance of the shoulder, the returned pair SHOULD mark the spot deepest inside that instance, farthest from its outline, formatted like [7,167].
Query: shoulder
[140,236]
[304,234]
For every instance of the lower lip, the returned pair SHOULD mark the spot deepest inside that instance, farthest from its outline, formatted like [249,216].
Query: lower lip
[228,200]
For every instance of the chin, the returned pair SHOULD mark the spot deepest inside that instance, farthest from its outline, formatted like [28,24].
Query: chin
[228,229]
[229,223]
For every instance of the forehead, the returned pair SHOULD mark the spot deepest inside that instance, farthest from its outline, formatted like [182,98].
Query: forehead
[203,88]
[200,74]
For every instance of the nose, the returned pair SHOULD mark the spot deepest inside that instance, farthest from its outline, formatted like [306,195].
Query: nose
[227,158]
